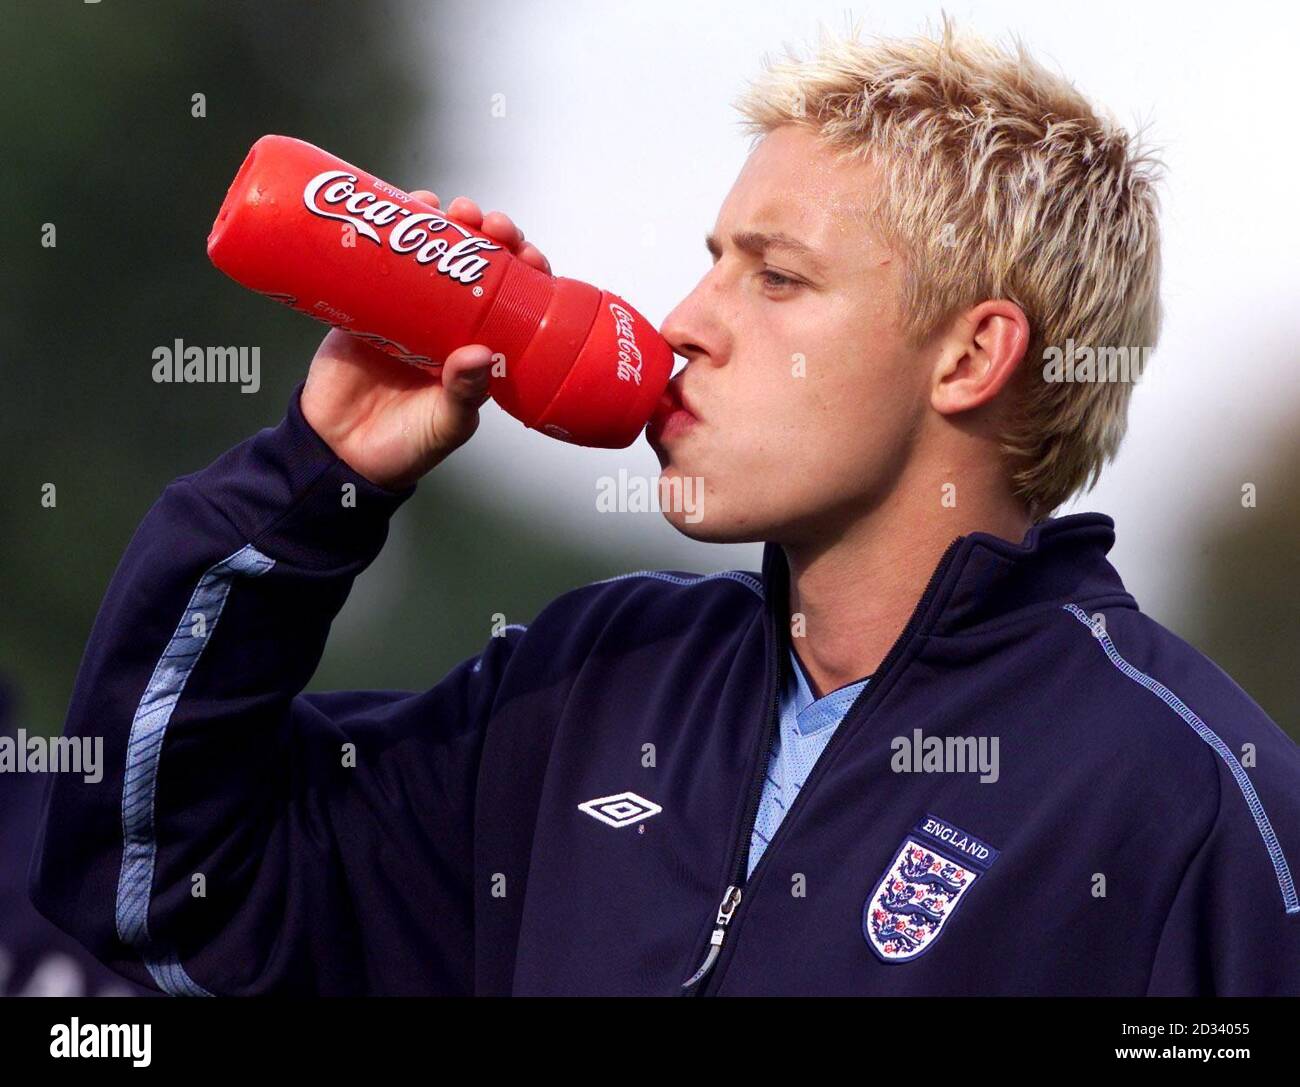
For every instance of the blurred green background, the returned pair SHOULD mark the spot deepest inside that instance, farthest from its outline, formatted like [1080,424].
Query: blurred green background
[99,139]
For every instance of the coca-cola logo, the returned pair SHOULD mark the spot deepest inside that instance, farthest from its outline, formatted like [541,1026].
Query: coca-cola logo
[420,233]
[629,355]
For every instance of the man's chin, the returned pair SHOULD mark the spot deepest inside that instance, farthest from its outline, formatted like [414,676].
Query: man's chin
[682,503]
[711,528]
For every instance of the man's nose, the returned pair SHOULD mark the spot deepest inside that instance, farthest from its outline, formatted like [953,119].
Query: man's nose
[694,327]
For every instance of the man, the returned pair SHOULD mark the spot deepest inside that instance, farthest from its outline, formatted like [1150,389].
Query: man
[933,747]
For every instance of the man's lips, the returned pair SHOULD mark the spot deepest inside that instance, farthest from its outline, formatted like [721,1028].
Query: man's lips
[671,413]
[672,400]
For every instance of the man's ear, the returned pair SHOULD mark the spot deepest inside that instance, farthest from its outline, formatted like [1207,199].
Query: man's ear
[978,356]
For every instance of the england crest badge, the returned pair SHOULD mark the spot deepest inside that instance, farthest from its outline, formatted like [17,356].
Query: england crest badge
[932,871]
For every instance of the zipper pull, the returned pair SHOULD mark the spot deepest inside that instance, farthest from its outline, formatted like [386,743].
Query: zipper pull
[730,901]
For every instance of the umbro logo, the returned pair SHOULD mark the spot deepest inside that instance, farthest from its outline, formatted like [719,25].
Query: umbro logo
[621,809]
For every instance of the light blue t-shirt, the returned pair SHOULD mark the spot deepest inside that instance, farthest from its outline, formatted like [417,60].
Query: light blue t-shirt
[805,727]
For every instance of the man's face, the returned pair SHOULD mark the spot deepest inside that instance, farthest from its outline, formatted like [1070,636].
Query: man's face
[805,394]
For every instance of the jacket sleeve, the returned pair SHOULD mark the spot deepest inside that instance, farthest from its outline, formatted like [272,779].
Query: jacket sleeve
[1234,927]
[247,838]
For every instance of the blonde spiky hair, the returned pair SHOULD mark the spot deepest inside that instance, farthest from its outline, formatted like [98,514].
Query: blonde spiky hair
[998,180]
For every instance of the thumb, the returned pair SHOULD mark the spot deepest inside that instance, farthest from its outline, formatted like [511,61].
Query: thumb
[465,378]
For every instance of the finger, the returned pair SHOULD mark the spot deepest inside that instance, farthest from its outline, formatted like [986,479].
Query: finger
[466,212]
[499,226]
[466,374]
[427,196]
[530,254]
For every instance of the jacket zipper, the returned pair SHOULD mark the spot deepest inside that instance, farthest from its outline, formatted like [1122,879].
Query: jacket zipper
[726,908]
[740,854]
[732,896]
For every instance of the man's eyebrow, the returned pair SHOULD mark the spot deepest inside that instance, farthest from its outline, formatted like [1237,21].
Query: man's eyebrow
[758,242]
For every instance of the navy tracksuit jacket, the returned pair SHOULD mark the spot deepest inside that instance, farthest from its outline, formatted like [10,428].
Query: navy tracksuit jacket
[247,838]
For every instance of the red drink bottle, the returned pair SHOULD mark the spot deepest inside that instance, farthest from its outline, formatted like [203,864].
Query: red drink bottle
[338,244]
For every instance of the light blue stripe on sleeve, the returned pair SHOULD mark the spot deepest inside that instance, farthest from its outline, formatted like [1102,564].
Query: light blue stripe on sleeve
[144,747]
[1286,884]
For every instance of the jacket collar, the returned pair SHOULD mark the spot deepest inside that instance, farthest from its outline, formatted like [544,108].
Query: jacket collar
[983,578]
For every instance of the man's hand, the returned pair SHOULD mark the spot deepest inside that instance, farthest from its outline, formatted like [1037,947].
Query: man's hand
[392,422]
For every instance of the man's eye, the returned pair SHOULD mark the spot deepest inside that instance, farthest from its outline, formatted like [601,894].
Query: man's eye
[776,280]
